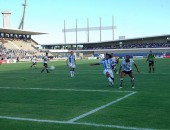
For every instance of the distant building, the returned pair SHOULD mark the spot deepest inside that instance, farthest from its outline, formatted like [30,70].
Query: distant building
[6,19]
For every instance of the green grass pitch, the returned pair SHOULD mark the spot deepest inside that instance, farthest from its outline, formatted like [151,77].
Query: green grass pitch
[30,100]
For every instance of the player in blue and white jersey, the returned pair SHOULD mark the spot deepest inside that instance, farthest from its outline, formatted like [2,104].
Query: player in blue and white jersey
[71,62]
[45,60]
[126,68]
[107,64]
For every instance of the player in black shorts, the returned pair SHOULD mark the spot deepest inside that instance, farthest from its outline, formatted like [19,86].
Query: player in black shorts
[45,60]
[151,60]
[126,69]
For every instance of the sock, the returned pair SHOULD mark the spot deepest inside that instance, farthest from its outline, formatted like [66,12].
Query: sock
[47,70]
[150,69]
[121,82]
[110,80]
[115,70]
[42,70]
[71,73]
[153,69]
[132,81]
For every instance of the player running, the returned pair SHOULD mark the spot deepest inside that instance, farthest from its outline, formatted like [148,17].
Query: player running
[107,64]
[45,60]
[34,61]
[126,68]
[151,60]
[71,62]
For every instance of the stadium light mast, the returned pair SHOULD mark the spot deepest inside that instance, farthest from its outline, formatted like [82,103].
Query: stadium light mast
[100,29]
[88,39]
[76,30]
[113,28]
[21,26]
[88,29]
[65,32]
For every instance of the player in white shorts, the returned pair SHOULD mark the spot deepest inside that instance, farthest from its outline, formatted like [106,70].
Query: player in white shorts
[107,64]
[34,63]
[126,68]
[115,62]
[71,62]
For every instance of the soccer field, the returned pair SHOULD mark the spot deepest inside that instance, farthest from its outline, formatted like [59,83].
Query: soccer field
[30,100]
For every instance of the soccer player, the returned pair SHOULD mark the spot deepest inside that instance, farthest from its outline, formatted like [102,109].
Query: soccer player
[45,60]
[107,64]
[115,62]
[126,68]
[34,63]
[151,60]
[71,62]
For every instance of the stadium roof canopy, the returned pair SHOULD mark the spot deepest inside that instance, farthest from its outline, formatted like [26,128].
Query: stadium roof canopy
[20,32]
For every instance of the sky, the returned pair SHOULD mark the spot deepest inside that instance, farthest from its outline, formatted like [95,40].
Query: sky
[132,18]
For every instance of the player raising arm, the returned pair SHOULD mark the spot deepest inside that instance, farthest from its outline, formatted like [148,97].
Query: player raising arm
[126,68]
[107,64]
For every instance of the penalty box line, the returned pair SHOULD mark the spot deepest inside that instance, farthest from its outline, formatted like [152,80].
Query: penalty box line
[85,114]
[73,123]
[100,108]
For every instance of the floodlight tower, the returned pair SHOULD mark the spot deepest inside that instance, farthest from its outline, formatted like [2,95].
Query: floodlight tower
[113,28]
[21,26]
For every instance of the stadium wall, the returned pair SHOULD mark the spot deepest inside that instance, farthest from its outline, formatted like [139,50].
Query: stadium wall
[118,52]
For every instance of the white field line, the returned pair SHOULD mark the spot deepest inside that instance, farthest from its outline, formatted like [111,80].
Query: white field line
[99,108]
[73,123]
[79,117]
[79,90]
[113,126]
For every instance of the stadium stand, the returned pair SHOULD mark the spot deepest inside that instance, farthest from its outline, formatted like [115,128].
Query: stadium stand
[133,46]
[23,45]
[129,46]
[18,44]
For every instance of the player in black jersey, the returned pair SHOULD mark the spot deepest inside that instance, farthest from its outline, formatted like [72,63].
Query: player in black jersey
[151,60]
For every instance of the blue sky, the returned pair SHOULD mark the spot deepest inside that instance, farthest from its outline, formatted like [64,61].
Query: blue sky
[133,18]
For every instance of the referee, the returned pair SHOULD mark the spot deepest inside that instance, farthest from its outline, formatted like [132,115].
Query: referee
[151,60]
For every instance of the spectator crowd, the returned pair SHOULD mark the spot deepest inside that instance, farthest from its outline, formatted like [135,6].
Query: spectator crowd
[128,46]
[18,53]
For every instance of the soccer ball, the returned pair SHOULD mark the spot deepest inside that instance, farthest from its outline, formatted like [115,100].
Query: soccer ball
[52,68]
